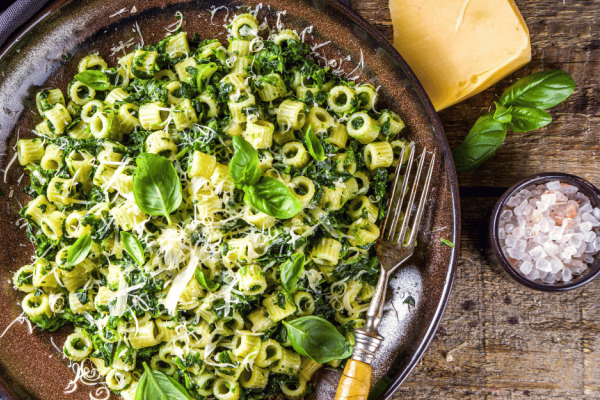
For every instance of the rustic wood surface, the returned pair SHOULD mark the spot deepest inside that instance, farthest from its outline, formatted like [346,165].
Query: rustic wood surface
[499,339]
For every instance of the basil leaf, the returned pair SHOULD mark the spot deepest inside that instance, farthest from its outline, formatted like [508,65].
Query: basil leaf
[79,250]
[318,339]
[486,136]
[94,79]
[154,385]
[291,270]
[156,185]
[502,113]
[273,198]
[243,167]
[205,281]
[525,119]
[133,247]
[314,146]
[542,90]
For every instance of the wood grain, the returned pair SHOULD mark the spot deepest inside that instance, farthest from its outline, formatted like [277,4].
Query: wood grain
[498,339]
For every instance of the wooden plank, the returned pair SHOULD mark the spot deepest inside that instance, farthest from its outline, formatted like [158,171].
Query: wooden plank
[563,36]
[506,341]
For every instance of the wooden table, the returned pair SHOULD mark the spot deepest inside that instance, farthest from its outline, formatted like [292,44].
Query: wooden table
[499,339]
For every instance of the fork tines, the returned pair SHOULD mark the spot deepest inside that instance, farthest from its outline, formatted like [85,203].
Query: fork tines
[410,184]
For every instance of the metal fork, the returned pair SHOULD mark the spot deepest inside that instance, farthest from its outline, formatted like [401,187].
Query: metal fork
[394,246]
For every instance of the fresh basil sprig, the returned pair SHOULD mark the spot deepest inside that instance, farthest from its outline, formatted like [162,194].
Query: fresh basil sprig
[205,281]
[154,385]
[94,79]
[314,146]
[521,108]
[265,194]
[156,185]
[133,247]
[79,250]
[291,270]
[243,167]
[318,339]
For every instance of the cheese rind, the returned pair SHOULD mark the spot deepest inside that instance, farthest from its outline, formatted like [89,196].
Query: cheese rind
[458,48]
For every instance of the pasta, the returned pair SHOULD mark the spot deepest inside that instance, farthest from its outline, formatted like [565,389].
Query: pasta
[198,293]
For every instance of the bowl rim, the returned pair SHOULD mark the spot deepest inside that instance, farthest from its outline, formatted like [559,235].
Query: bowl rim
[594,270]
[444,149]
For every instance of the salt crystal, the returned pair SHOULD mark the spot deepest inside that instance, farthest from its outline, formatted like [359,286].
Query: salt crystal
[567,189]
[596,213]
[576,263]
[576,239]
[597,243]
[556,233]
[520,245]
[528,233]
[549,279]
[588,259]
[501,234]
[541,206]
[590,247]
[518,232]
[566,275]
[554,185]
[526,257]
[537,216]
[551,248]
[543,265]
[524,193]
[548,199]
[586,208]
[510,241]
[570,250]
[544,225]
[526,267]
[556,265]
[514,253]
[509,227]
[522,221]
[506,215]
[528,211]
[537,253]
[534,274]
[513,201]
[586,226]
[587,217]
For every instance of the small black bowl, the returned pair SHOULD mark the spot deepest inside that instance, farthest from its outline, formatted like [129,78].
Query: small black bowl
[498,257]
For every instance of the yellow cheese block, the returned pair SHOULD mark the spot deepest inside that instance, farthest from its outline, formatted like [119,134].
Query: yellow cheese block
[458,48]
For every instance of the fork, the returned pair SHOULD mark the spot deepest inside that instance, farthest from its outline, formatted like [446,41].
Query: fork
[394,246]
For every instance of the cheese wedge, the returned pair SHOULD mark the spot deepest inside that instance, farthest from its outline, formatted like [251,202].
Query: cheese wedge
[458,48]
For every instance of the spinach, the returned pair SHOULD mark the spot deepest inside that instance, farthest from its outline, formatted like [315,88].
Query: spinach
[317,339]
[541,90]
[244,164]
[291,271]
[154,385]
[520,109]
[314,146]
[94,79]
[156,185]
[272,197]
[447,242]
[486,136]
[133,247]
[79,250]
[205,281]
[410,301]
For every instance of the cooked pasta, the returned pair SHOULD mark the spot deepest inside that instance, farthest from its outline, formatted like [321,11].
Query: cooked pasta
[199,293]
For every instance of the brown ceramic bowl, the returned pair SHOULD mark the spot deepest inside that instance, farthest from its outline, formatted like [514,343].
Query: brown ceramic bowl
[30,367]
[498,256]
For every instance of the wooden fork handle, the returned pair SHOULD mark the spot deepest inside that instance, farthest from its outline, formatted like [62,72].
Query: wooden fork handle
[356,381]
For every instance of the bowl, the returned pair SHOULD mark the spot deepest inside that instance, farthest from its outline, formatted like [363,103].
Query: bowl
[33,59]
[497,256]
